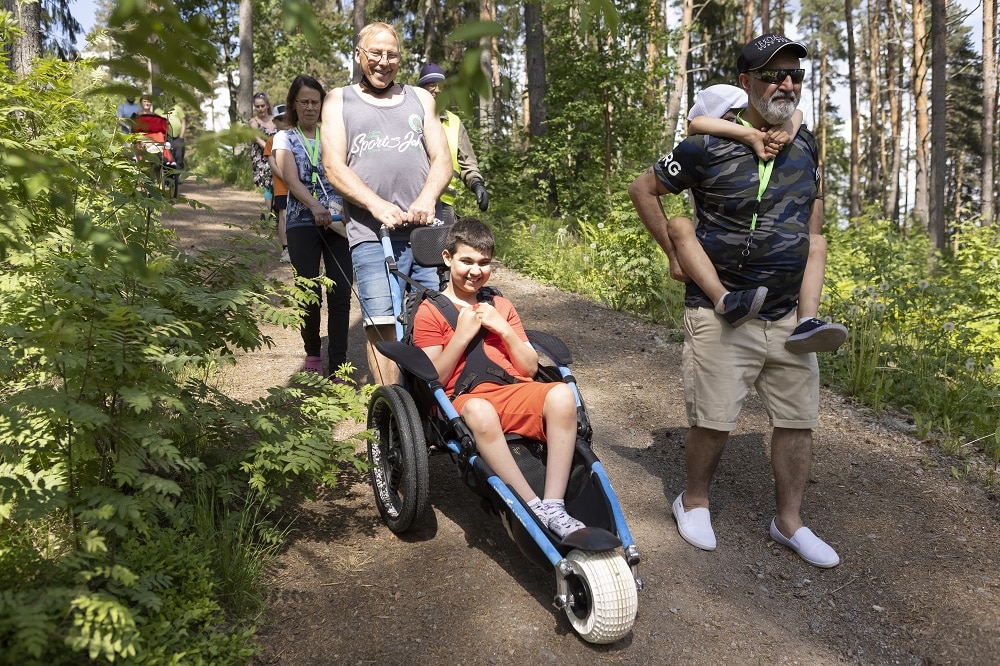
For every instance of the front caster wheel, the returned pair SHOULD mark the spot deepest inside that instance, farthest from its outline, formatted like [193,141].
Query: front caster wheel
[605,599]
[398,455]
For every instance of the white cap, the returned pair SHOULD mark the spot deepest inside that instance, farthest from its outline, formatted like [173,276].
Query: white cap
[716,100]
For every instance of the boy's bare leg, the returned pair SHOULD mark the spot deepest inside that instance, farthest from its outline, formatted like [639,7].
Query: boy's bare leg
[811,334]
[559,413]
[694,261]
[737,308]
[383,371]
[483,421]
[812,279]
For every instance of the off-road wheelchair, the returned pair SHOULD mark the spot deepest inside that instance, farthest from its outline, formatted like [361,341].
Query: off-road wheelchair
[596,568]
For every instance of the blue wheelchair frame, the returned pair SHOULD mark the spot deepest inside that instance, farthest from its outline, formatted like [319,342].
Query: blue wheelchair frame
[590,496]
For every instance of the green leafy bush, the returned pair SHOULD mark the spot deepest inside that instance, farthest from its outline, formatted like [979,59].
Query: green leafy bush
[134,495]
[924,337]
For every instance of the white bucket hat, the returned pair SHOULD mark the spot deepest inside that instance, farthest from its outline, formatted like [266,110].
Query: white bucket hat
[715,100]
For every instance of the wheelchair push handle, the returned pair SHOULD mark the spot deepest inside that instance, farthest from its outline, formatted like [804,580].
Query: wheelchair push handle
[384,231]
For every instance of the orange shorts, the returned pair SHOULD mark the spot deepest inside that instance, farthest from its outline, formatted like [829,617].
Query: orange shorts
[518,405]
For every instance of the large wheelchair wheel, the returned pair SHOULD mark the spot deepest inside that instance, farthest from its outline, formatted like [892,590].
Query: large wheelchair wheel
[605,599]
[398,455]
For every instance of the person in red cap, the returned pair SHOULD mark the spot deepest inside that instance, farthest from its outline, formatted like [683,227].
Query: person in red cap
[464,165]
[755,222]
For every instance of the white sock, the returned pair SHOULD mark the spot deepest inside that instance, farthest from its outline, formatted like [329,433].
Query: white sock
[803,320]
[720,307]
[536,505]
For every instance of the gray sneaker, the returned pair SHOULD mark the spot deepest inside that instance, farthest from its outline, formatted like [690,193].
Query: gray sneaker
[284,257]
[742,306]
[816,335]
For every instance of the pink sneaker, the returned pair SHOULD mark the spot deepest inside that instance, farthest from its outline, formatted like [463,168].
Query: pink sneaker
[313,364]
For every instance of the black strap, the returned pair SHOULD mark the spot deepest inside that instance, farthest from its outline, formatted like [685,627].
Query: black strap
[479,368]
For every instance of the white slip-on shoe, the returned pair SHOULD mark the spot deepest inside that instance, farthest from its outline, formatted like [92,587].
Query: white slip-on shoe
[810,547]
[694,526]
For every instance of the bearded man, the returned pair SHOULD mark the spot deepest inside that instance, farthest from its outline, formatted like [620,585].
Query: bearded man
[385,152]
[754,221]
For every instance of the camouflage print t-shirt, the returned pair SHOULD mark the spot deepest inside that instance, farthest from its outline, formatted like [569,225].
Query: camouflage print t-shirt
[723,177]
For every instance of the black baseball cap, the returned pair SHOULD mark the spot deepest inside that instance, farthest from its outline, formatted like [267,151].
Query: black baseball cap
[759,51]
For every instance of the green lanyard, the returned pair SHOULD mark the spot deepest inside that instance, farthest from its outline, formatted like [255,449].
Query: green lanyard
[312,152]
[763,175]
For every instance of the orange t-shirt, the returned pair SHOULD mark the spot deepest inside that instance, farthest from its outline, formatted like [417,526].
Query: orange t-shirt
[430,329]
[280,188]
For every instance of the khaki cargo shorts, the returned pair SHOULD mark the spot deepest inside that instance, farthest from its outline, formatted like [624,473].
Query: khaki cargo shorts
[720,363]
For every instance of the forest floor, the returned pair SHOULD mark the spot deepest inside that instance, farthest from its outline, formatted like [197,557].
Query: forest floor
[919,581]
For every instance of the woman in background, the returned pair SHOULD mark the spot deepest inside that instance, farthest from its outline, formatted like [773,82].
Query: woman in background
[312,220]
[261,121]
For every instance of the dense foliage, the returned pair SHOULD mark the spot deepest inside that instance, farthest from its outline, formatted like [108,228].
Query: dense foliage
[134,495]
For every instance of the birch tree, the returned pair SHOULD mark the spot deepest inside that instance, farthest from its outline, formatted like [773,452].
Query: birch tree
[918,83]
[939,128]
[989,107]
[244,102]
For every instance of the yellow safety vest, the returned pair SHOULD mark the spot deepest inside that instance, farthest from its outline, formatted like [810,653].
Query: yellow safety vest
[451,126]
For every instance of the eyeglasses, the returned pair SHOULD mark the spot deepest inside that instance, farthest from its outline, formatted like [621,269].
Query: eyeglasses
[308,103]
[778,75]
[376,56]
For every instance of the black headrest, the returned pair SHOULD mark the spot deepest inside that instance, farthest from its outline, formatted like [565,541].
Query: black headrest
[427,244]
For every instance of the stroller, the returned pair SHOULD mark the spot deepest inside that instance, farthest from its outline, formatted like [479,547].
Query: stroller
[154,148]
[596,568]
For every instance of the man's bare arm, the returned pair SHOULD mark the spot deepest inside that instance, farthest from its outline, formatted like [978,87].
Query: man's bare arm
[645,192]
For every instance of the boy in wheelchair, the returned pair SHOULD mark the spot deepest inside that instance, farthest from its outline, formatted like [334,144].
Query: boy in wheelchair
[505,399]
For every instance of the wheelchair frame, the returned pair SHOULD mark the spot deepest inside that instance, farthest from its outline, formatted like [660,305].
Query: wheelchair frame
[596,568]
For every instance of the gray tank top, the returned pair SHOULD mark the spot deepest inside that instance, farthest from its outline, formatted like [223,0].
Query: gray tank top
[385,148]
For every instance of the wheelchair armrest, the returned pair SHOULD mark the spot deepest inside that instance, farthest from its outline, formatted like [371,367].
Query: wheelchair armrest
[409,357]
[551,346]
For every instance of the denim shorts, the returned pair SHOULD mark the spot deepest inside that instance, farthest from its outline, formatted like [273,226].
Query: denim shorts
[373,285]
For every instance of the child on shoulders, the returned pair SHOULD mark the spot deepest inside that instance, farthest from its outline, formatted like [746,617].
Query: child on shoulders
[714,111]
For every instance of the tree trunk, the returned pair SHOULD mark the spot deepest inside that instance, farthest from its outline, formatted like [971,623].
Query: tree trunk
[489,60]
[358,19]
[939,127]
[921,120]
[876,110]
[676,117]
[244,102]
[765,16]
[534,58]
[430,29]
[748,14]
[893,77]
[23,50]
[819,120]
[854,183]
[989,107]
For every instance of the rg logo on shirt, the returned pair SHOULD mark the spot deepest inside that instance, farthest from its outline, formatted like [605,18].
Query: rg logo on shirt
[669,165]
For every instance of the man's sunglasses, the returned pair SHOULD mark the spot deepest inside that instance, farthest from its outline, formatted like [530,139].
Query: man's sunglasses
[778,75]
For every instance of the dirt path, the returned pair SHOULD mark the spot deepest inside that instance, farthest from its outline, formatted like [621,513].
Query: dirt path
[918,583]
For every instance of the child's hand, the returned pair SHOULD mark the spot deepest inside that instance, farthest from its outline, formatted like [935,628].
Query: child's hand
[775,139]
[677,271]
[490,319]
[757,140]
[468,324]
